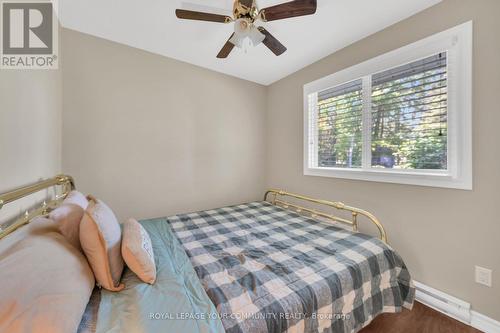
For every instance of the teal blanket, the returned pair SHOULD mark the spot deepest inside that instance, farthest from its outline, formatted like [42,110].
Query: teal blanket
[176,302]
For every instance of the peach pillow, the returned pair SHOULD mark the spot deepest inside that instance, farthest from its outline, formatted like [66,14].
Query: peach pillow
[100,237]
[45,282]
[69,215]
[137,251]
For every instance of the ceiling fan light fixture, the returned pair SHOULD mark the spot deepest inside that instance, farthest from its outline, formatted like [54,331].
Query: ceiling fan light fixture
[244,29]
[256,36]
[237,40]
[241,26]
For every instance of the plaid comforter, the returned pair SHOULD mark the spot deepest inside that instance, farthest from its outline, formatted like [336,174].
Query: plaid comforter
[267,269]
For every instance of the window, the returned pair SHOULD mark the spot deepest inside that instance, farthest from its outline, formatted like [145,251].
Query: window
[403,117]
[409,112]
[340,110]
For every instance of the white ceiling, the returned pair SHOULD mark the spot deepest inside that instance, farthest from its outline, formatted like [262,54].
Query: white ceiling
[151,25]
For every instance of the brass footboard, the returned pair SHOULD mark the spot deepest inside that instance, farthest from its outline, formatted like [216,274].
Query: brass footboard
[65,182]
[277,198]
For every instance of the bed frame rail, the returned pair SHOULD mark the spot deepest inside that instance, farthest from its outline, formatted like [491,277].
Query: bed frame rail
[65,182]
[277,197]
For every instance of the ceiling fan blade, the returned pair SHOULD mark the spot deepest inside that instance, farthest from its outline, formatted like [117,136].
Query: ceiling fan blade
[289,9]
[200,16]
[226,49]
[272,43]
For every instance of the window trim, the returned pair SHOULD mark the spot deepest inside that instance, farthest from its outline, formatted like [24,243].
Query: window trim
[457,42]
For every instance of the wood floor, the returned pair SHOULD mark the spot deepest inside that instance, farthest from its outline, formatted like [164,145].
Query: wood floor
[421,319]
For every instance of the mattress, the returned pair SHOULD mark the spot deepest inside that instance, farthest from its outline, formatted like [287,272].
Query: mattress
[267,269]
[255,268]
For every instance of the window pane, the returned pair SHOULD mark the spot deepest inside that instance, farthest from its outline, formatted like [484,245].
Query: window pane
[409,115]
[339,126]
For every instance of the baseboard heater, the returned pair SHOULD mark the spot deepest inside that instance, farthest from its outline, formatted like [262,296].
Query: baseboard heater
[439,301]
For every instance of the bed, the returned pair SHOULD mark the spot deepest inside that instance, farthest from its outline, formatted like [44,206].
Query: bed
[275,265]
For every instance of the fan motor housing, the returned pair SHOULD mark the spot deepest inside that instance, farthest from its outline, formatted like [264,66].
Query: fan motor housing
[242,11]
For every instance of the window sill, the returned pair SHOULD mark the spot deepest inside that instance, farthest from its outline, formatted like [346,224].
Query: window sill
[432,179]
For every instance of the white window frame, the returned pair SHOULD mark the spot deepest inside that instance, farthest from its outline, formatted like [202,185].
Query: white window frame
[457,42]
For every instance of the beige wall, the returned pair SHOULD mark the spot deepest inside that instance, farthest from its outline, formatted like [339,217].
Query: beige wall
[441,233]
[30,132]
[135,136]
[153,136]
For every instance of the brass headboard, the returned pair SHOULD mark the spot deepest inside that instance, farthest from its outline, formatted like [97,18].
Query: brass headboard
[277,199]
[65,182]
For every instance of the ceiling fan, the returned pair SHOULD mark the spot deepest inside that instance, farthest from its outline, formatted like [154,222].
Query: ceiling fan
[245,14]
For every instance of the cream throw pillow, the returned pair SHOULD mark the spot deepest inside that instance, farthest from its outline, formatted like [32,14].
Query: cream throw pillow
[68,216]
[137,251]
[100,237]
[76,198]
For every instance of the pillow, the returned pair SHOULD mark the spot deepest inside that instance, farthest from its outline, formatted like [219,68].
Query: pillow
[69,215]
[100,236]
[45,282]
[76,198]
[137,251]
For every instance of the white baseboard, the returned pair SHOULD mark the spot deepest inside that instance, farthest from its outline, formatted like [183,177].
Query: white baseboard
[455,308]
[483,323]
